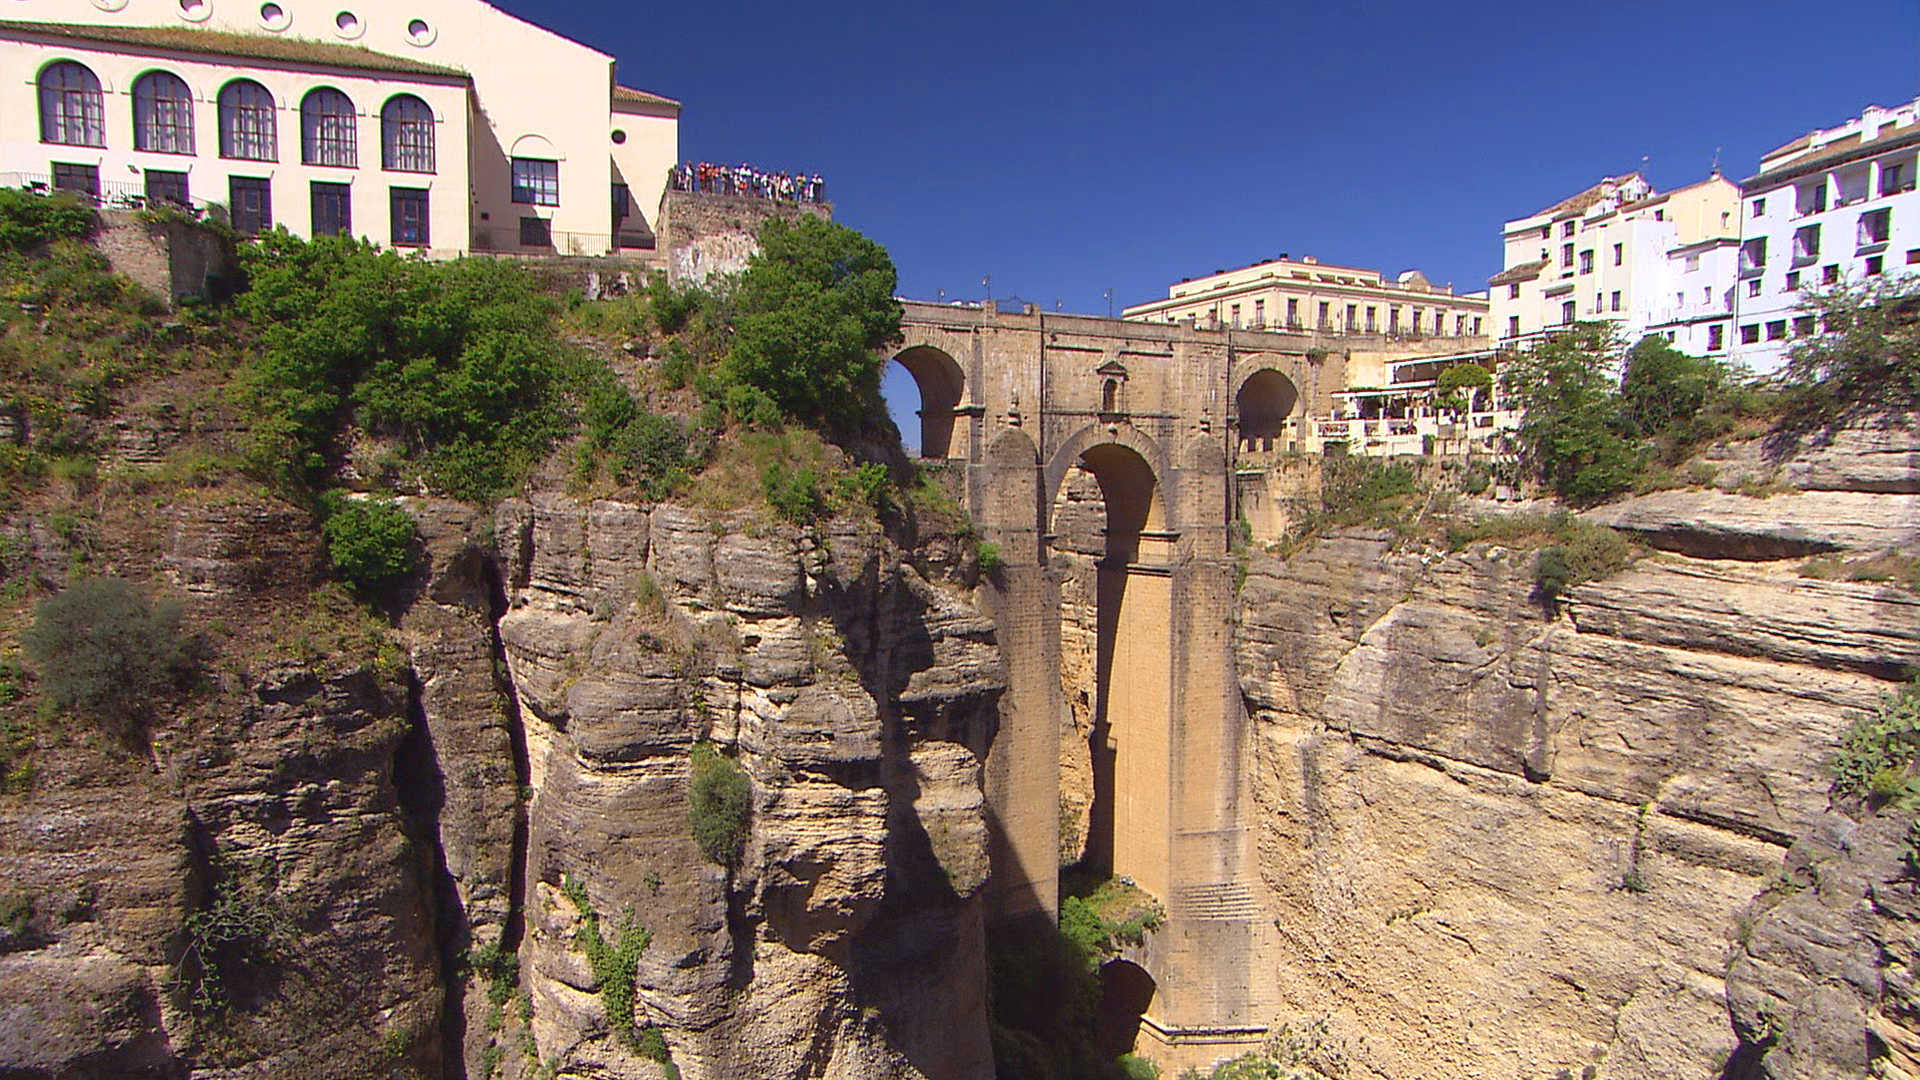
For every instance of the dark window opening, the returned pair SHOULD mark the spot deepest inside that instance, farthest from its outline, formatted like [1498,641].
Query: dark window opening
[71,110]
[332,209]
[162,114]
[247,126]
[251,204]
[536,182]
[167,188]
[410,227]
[406,135]
[79,179]
[327,130]
[536,232]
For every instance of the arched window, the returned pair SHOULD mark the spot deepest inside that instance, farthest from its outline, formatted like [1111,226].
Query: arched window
[1110,396]
[327,135]
[71,112]
[406,135]
[247,130]
[162,114]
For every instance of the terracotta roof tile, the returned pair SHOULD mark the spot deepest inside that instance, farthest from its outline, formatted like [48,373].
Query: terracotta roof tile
[629,96]
[1523,272]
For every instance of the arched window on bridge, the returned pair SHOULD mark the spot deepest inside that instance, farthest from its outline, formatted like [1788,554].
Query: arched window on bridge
[1110,396]
[1265,402]
[940,387]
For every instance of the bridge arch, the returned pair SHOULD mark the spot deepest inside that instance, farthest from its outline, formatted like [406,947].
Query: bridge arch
[1105,441]
[942,387]
[1126,993]
[1265,398]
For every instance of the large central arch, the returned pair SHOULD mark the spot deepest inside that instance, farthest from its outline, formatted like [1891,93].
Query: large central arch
[1129,737]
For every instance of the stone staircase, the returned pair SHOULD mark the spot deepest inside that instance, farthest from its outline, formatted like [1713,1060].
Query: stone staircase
[1225,901]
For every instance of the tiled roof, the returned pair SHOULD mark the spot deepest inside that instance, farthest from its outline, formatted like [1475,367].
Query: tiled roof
[1834,155]
[1523,272]
[222,43]
[1579,203]
[629,96]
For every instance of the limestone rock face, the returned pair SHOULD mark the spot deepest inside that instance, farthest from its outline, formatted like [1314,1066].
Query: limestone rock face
[857,696]
[1502,839]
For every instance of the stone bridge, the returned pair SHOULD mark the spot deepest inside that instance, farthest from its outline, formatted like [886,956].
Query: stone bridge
[1101,457]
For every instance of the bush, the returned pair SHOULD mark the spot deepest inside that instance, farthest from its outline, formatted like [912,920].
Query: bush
[1573,426]
[673,305]
[650,451]
[103,650]
[1585,553]
[1865,360]
[370,541]
[794,492]
[1353,490]
[457,360]
[720,803]
[29,221]
[613,962]
[866,485]
[1876,757]
[814,306]
[990,559]
[1458,384]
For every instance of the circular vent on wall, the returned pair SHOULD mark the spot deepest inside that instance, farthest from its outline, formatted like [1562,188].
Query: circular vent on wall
[110,5]
[196,10]
[274,17]
[421,32]
[348,25]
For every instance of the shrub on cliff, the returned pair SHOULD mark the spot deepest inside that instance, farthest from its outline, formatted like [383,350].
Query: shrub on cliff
[103,649]
[1866,357]
[812,310]
[457,360]
[1877,757]
[720,802]
[370,541]
[29,221]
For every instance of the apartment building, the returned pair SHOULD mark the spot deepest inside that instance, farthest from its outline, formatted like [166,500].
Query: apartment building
[1307,295]
[1619,252]
[446,126]
[1834,206]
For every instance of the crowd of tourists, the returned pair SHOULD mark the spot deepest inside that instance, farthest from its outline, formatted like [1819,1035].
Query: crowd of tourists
[746,180]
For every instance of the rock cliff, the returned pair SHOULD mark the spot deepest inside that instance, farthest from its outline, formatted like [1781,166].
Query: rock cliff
[1508,837]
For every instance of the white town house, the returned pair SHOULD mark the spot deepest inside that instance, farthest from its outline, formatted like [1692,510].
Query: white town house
[1833,207]
[446,126]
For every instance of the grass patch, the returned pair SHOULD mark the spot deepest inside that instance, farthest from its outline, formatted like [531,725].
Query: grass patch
[1572,551]
[1891,567]
[1876,758]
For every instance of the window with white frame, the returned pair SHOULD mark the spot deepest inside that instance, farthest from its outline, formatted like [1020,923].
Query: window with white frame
[536,182]
[162,114]
[406,135]
[72,112]
[328,134]
[248,130]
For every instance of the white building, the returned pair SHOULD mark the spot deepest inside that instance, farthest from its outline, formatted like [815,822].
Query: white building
[1306,294]
[1617,252]
[443,125]
[1833,206]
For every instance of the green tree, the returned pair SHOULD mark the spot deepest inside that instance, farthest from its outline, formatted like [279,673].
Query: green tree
[719,804]
[1572,425]
[1866,357]
[1458,384]
[1678,400]
[812,309]
[28,221]
[103,649]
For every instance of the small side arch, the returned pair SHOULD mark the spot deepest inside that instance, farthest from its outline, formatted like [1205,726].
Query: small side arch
[942,387]
[1264,401]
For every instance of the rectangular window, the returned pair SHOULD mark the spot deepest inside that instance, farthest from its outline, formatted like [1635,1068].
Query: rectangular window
[1373,319]
[1566,313]
[79,179]
[1476,326]
[1753,287]
[1759,207]
[1459,326]
[1513,326]
[1393,320]
[1619,254]
[1613,303]
[536,182]
[1913,256]
[1586,262]
[536,232]
[1513,291]
[1777,330]
[251,202]
[1325,314]
[1750,334]
[1830,275]
[1566,229]
[1753,255]
[167,188]
[1793,280]
[1876,226]
[1890,178]
[410,218]
[1803,326]
[1236,314]
[1716,337]
[1566,256]
[1810,198]
[1353,316]
[1693,264]
[332,209]
[1293,313]
[1875,266]
[1259,313]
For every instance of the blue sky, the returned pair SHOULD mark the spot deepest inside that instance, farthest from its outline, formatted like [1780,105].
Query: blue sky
[1067,149]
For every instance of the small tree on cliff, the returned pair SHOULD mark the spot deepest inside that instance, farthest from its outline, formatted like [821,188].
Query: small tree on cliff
[1572,428]
[813,309]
